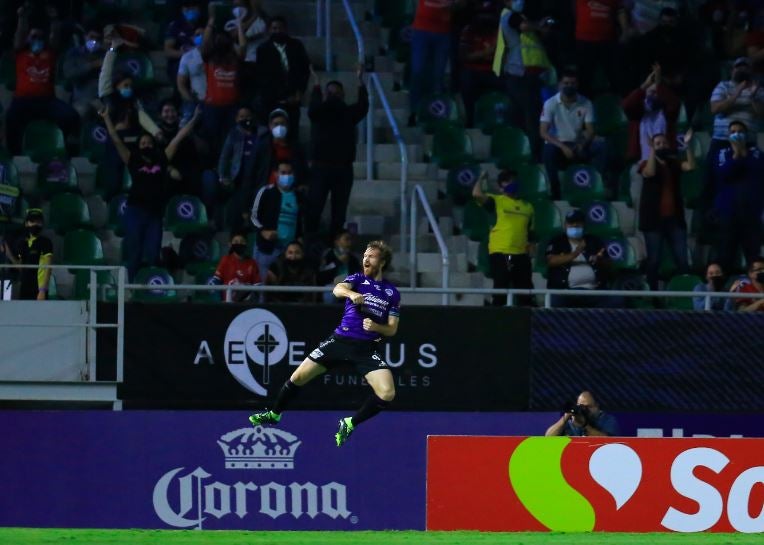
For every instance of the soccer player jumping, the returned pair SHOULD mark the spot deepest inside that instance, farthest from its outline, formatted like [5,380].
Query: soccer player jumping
[371,312]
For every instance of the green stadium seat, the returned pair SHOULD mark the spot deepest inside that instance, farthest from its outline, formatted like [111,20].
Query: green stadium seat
[139,66]
[493,110]
[394,12]
[534,184]
[609,117]
[198,250]
[155,276]
[582,183]
[602,219]
[621,254]
[510,147]
[461,180]
[435,109]
[56,176]
[203,276]
[43,141]
[624,186]
[82,247]
[547,219]
[104,279]
[185,214]
[477,221]
[115,221]
[627,280]
[682,123]
[539,262]
[451,145]
[682,282]
[68,211]
[93,139]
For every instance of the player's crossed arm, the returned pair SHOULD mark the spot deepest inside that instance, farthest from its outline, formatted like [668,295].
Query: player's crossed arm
[386,330]
[344,289]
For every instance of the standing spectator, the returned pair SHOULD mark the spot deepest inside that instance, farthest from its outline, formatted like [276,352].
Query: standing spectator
[645,15]
[661,207]
[148,167]
[477,44]
[34,97]
[652,109]
[291,269]
[236,269]
[274,147]
[255,27]
[236,167]
[277,216]
[508,242]
[192,77]
[179,37]
[33,249]
[754,286]
[567,128]
[338,261]
[430,49]
[714,283]
[82,64]
[333,127]
[186,159]
[739,174]
[283,69]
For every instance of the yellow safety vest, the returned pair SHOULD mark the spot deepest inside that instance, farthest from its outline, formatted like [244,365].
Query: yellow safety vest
[531,50]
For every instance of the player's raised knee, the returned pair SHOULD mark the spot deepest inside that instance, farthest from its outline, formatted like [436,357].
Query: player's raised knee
[386,393]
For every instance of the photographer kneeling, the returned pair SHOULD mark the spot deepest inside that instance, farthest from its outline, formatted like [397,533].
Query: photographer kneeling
[585,418]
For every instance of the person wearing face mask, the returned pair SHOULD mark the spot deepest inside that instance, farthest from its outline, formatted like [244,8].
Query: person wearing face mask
[338,262]
[277,215]
[739,198]
[714,283]
[755,285]
[509,242]
[661,206]
[81,67]
[34,96]
[274,147]
[32,249]
[179,37]
[237,268]
[236,167]
[192,78]
[333,149]
[187,178]
[291,269]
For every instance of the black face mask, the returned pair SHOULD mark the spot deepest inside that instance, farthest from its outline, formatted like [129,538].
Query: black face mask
[34,229]
[664,154]
[279,37]
[238,249]
[760,277]
[741,76]
[717,282]
[295,264]
[245,124]
[570,91]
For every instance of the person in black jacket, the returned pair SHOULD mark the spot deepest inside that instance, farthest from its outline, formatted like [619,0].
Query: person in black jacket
[283,70]
[277,217]
[333,125]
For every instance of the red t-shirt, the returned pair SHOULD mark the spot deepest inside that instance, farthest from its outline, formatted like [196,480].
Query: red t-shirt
[748,287]
[433,16]
[281,152]
[35,73]
[232,271]
[596,20]
[222,88]
[474,41]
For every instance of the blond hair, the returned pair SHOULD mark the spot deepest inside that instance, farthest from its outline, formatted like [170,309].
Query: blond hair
[385,252]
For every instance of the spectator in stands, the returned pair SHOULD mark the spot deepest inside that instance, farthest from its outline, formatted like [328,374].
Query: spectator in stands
[291,269]
[274,147]
[148,167]
[236,167]
[430,49]
[81,67]
[283,70]
[669,44]
[179,37]
[661,206]
[477,45]
[754,286]
[192,77]
[714,283]
[521,61]
[754,42]
[236,269]
[34,97]
[333,143]
[32,249]
[338,262]
[277,215]
[567,128]
[254,24]
[186,160]
[739,199]
[577,261]
[509,244]
[645,15]
[585,418]
[652,109]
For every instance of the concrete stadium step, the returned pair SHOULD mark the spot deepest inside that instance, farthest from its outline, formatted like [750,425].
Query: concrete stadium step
[455,280]
[387,189]
[370,224]
[431,262]
[426,242]
[387,153]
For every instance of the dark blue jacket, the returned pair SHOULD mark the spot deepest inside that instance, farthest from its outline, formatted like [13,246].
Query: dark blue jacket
[739,184]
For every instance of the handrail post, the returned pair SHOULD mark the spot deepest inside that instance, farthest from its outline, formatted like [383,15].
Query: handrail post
[121,324]
[412,242]
[547,300]
[707,302]
[93,320]
[328,35]
[370,135]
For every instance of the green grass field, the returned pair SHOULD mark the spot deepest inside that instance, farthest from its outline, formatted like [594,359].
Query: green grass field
[31,536]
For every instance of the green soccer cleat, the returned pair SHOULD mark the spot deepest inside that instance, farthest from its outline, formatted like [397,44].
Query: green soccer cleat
[344,431]
[267,417]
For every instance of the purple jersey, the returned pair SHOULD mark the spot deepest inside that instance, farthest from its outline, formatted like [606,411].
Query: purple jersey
[381,299]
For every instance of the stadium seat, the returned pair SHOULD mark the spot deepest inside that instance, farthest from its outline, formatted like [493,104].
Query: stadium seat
[104,279]
[477,221]
[115,221]
[138,65]
[582,183]
[692,187]
[451,145]
[43,141]
[621,254]
[682,282]
[539,264]
[8,70]
[154,276]
[461,179]
[82,247]
[435,109]
[483,262]
[627,280]
[609,117]
[602,219]
[203,276]
[394,13]
[56,176]
[198,250]
[534,184]
[547,220]
[624,186]
[185,214]
[93,138]
[68,211]
[493,110]
[510,147]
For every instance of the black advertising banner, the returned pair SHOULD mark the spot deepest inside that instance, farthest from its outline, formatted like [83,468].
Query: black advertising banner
[226,355]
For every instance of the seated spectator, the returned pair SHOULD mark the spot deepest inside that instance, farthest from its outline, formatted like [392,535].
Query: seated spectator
[661,206]
[192,78]
[567,128]
[477,45]
[291,269]
[277,214]
[338,262]
[148,167]
[714,283]
[652,109]
[282,70]
[236,167]
[236,269]
[179,37]
[333,143]
[32,249]
[82,64]
[577,261]
[34,97]
[739,198]
[755,285]
[276,146]
[585,418]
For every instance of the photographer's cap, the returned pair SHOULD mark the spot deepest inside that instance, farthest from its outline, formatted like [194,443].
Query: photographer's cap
[34,214]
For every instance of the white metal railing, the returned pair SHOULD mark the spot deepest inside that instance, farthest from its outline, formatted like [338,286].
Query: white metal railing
[418,194]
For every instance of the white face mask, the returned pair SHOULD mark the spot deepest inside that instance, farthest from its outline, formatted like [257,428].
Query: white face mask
[279,131]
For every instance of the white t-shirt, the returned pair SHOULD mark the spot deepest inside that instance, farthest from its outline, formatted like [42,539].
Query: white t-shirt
[566,122]
[192,66]
[581,275]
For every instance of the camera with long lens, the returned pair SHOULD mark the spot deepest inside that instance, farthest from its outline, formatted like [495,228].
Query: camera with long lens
[579,411]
